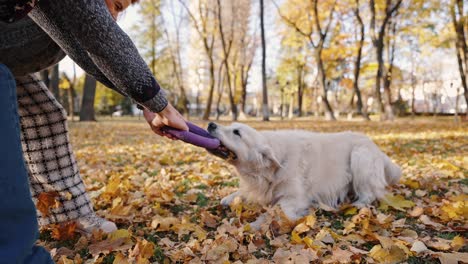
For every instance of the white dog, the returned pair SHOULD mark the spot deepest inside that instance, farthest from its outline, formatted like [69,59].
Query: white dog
[297,169]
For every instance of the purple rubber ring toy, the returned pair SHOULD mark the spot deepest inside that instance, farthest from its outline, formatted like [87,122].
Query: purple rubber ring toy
[199,137]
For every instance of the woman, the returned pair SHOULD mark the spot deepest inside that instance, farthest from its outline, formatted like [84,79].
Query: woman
[52,168]
[86,31]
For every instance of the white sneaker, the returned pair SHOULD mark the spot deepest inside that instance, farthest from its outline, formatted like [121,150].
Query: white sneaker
[92,222]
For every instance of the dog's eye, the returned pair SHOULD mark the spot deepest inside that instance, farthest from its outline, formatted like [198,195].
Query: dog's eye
[236,132]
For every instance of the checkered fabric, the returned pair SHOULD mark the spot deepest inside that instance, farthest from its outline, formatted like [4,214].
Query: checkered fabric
[47,151]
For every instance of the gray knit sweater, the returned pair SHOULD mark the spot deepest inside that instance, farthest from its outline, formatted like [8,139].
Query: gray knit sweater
[86,31]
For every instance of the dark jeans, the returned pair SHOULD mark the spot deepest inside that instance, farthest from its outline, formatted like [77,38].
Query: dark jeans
[18,222]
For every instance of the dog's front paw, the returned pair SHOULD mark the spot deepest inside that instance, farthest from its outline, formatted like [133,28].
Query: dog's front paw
[227,201]
[257,224]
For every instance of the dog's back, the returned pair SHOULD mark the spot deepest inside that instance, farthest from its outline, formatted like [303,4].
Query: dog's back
[332,163]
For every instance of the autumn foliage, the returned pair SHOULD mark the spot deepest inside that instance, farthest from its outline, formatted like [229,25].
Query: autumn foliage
[164,197]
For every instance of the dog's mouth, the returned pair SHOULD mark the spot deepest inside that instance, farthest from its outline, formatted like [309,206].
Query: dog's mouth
[223,152]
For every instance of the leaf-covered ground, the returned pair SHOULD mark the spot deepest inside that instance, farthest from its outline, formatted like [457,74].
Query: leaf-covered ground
[164,197]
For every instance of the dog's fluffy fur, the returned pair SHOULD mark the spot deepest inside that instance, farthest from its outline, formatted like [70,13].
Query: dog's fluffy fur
[299,169]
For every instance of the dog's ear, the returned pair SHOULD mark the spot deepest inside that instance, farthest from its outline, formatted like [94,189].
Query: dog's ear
[268,155]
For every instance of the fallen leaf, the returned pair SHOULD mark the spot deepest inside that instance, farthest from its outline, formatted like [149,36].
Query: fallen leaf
[350,211]
[301,228]
[142,251]
[396,201]
[418,247]
[427,221]
[457,243]
[295,238]
[416,212]
[120,259]
[391,255]
[47,201]
[438,243]
[64,231]
[452,258]
[209,220]
[339,256]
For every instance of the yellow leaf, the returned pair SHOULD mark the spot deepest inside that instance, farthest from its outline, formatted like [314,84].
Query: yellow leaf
[120,233]
[120,259]
[301,228]
[412,184]
[350,211]
[455,210]
[391,255]
[142,251]
[310,220]
[295,238]
[457,243]
[113,185]
[309,242]
[398,202]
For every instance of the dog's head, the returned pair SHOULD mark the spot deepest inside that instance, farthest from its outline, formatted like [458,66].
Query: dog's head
[254,153]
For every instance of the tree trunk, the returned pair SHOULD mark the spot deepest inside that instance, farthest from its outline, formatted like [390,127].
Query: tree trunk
[220,91]
[378,79]
[329,115]
[413,98]
[461,48]
[71,105]
[378,43]
[87,103]
[291,106]
[300,89]
[206,115]
[457,102]
[266,111]
[389,115]
[54,82]
[226,51]
[357,65]
[45,77]
[243,93]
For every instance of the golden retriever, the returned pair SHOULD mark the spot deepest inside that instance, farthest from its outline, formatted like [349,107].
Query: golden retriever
[298,169]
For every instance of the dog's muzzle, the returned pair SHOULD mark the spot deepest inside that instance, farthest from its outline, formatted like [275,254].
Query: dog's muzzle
[221,151]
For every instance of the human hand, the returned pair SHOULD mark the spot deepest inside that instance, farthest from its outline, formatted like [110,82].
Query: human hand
[169,116]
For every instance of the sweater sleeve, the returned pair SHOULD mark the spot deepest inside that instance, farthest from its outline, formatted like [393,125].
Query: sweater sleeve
[87,26]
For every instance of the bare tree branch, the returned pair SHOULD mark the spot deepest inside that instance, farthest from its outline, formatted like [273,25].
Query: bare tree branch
[308,35]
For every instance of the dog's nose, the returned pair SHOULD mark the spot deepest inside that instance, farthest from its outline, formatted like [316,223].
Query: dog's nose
[212,126]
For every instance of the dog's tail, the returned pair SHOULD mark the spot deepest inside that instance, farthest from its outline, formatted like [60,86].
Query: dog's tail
[392,171]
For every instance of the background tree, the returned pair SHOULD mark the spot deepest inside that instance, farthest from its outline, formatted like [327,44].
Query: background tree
[305,18]
[87,112]
[357,65]
[204,21]
[386,10]
[265,109]
[54,81]
[175,50]
[227,36]
[292,68]
[460,24]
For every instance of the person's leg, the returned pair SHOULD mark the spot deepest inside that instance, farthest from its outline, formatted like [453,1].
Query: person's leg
[49,157]
[18,223]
